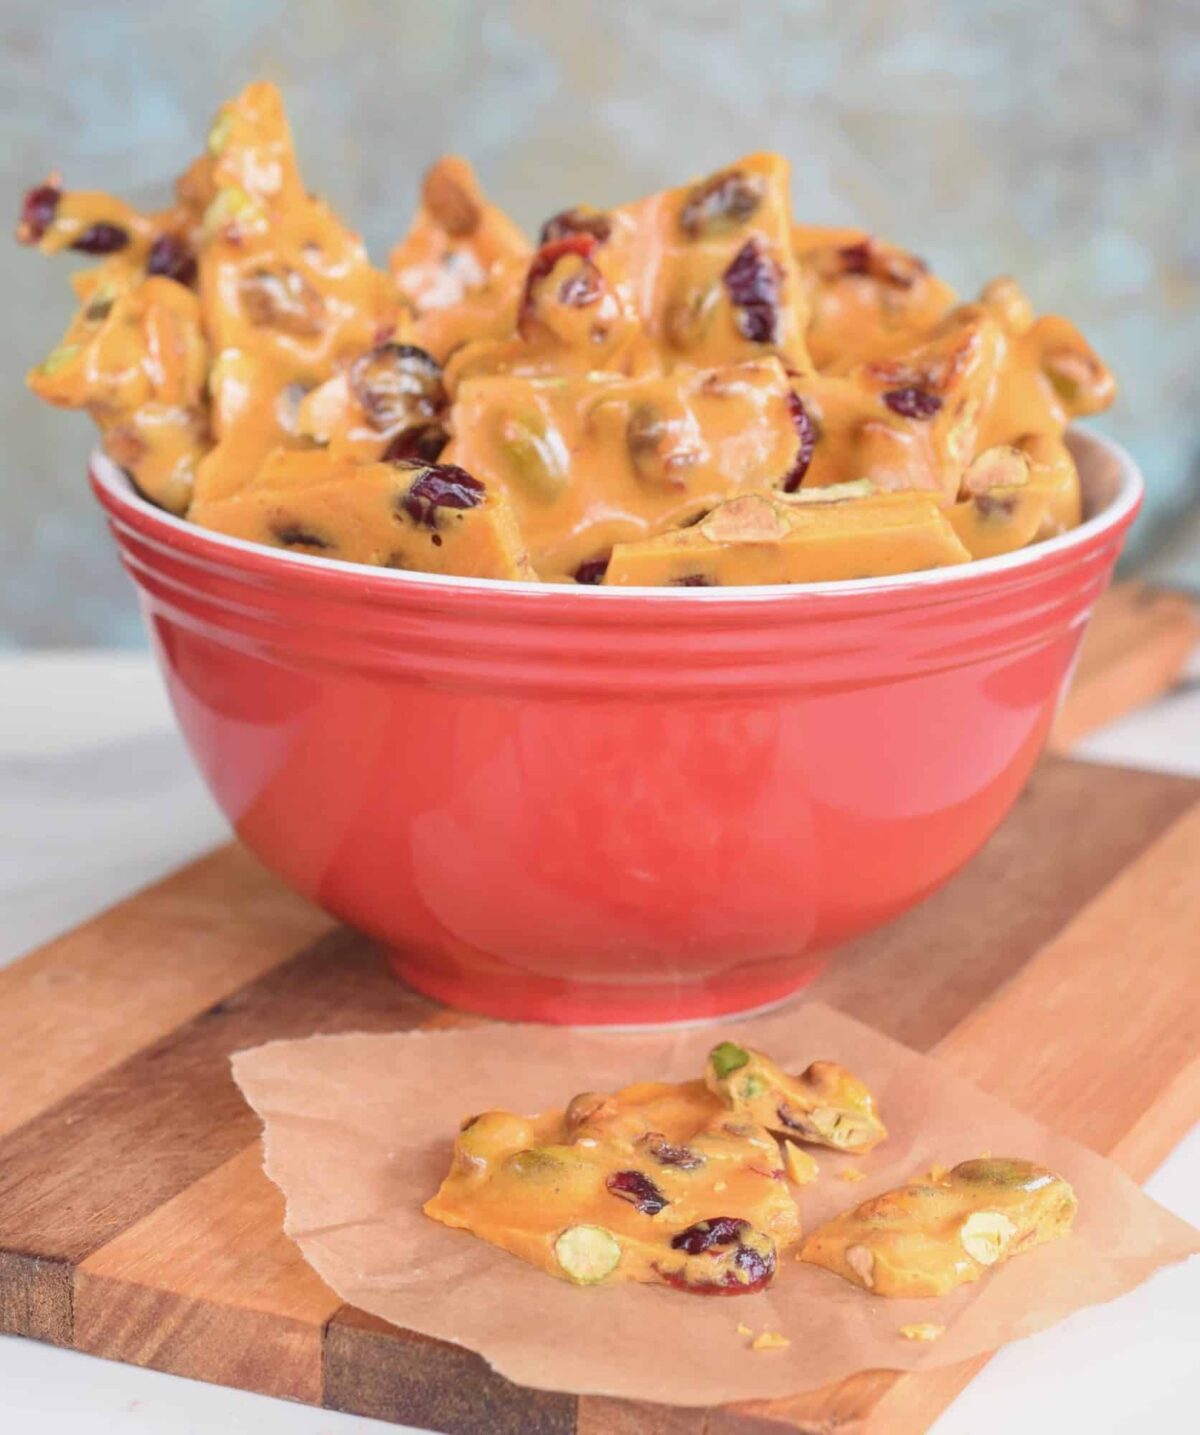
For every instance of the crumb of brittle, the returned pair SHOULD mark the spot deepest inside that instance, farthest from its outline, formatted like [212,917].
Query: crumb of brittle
[923,1330]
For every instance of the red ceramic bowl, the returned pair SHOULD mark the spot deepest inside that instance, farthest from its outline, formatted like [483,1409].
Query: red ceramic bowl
[620,805]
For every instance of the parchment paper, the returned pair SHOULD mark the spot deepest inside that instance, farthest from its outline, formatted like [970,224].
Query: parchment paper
[358,1134]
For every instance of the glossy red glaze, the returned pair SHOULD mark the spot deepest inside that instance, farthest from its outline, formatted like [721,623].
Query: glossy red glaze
[613,805]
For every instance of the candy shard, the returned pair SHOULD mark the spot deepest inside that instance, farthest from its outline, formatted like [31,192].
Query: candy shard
[942,1231]
[826,1104]
[542,1188]
[922,1330]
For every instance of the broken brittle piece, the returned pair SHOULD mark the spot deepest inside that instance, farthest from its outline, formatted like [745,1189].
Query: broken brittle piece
[868,297]
[135,357]
[928,1237]
[773,539]
[597,460]
[430,517]
[287,292]
[825,1104]
[655,1183]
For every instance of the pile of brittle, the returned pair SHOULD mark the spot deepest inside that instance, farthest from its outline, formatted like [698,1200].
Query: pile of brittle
[691,390]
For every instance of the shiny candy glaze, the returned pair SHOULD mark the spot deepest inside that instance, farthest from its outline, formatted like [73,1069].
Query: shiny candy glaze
[946,1229]
[655,305]
[692,1195]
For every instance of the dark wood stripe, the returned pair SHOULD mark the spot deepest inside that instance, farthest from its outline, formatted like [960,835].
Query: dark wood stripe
[83,1171]
[371,1368]
[1073,830]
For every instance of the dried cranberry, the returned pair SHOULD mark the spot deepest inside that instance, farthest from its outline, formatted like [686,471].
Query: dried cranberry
[398,386]
[856,258]
[704,1235]
[888,266]
[692,580]
[752,281]
[592,570]
[787,1119]
[667,1154]
[37,212]
[576,221]
[292,535]
[582,288]
[101,239]
[282,299]
[639,1190]
[757,1266]
[543,263]
[988,505]
[423,445]
[720,203]
[740,1267]
[807,432]
[912,403]
[171,257]
[439,485]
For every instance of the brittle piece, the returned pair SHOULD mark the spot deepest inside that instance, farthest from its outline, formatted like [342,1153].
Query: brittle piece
[288,293]
[590,462]
[712,263]
[432,518]
[1048,375]
[575,315]
[701,275]
[655,1183]
[462,262]
[135,358]
[1012,496]
[928,1237]
[925,406]
[868,297]
[826,1104]
[766,538]
[386,404]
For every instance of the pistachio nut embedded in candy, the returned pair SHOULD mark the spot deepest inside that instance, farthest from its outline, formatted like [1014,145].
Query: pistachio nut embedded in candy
[826,1105]
[587,1254]
[945,1230]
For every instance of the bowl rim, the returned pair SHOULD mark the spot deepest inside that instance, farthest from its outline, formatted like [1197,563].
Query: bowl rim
[116,493]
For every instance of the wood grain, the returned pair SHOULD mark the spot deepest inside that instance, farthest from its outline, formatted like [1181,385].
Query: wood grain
[87,1001]
[208,1285]
[136,1221]
[135,1136]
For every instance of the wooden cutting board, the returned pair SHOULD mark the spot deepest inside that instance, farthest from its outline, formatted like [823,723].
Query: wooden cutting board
[1058,970]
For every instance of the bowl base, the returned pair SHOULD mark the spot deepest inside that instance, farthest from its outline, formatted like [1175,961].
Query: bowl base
[521,996]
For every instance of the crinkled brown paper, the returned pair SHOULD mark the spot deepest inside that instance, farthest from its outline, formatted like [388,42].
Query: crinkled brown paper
[358,1134]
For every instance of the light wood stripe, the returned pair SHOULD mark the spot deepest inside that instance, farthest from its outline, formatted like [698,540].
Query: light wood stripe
[209,1286]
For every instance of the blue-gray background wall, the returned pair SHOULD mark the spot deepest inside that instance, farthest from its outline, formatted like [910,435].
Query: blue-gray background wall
[1056,139]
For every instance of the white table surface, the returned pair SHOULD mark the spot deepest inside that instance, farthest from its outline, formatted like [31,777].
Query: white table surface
[97,798]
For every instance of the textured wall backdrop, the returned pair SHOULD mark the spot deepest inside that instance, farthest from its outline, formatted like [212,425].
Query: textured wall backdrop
[1054,140]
